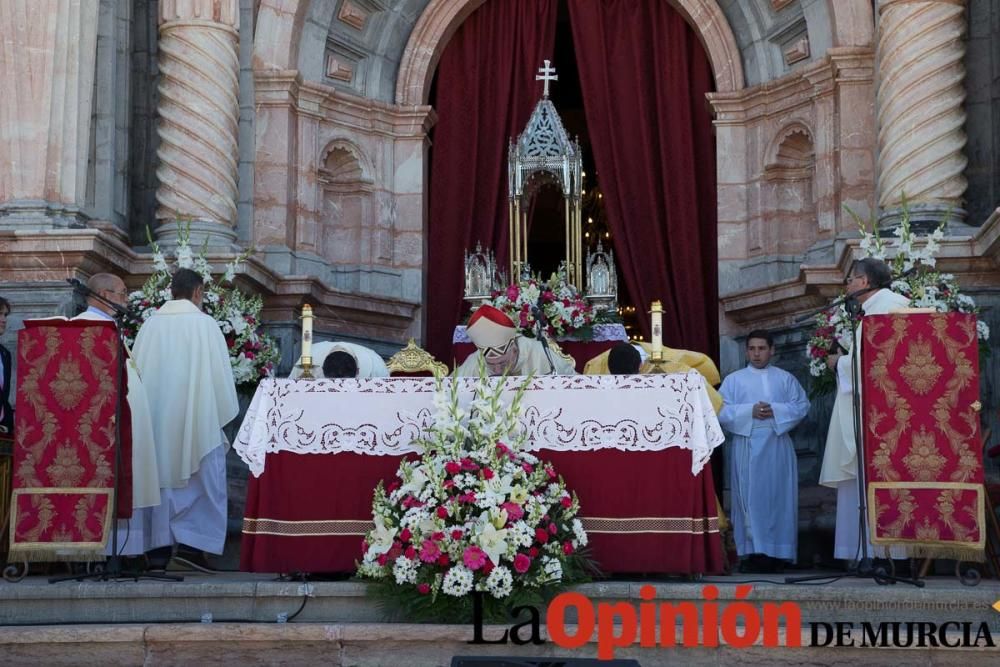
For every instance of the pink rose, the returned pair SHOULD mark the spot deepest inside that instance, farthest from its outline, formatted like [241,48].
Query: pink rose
[521,563]
[514,511]
[423,589]
[474,558]
[429,551]
[552,529]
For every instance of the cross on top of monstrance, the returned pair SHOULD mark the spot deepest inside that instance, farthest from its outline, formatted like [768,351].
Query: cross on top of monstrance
[547,73]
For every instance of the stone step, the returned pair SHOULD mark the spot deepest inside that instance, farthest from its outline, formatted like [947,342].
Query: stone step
[241,597]
[391,645]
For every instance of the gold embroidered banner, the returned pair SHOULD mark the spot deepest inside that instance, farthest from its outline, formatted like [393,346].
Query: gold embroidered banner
[61,507]
[923,448]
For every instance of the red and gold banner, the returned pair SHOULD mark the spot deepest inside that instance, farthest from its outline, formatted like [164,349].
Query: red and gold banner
[923,448]
[64,456]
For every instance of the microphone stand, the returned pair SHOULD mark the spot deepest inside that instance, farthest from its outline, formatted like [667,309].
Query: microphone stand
[114,570]
[540,321]
[866,568]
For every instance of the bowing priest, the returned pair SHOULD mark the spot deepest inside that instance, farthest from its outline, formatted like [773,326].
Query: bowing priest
[762,404]
[675,361]
[369,363]
[869,280]
[184,361]
[505,352]
[133,533]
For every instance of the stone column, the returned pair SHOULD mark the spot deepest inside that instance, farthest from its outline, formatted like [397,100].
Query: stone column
[198,119]
[48,51]
[920,109]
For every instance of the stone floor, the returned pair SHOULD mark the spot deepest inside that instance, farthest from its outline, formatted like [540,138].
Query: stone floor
[254,619]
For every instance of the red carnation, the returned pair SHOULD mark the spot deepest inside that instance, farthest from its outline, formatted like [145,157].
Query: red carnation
[410,552]
[453,467]
[423,589]
[442,512]
[533,552]
[487,473]
[521,563]
[566,501]
[552,528]
[456,534]
[443,560]
[405,534]
[541,536]
[567,548]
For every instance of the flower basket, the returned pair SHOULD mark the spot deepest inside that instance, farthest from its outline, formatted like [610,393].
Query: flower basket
[473,514]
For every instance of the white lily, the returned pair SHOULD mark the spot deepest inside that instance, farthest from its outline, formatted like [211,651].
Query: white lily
[380,540]
[491,540]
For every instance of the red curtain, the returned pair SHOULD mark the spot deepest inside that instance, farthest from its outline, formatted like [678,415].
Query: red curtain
[644,76]
[486,90]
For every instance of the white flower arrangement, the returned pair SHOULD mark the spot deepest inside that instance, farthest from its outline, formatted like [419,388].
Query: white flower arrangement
[474,513]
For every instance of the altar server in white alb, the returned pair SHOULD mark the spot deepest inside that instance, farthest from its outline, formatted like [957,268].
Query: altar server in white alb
[184,362]
[133,534]
[761,404]
[870,280]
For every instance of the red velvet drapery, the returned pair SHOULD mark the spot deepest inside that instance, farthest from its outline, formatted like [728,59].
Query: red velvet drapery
[486,90]
[644,77]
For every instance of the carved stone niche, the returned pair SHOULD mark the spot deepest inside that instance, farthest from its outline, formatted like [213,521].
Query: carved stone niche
[347,207]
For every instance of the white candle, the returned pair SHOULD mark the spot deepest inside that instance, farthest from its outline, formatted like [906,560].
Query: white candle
[307,331]
[657,312]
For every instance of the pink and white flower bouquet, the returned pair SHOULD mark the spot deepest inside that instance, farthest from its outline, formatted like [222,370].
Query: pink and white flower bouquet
[567,313]
[474,513]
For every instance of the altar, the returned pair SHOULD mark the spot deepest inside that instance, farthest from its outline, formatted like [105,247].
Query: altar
[633,448]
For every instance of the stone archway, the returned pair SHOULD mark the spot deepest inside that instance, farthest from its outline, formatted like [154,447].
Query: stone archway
[441,18]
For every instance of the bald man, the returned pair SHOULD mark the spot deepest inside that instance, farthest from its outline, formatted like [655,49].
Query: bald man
[132,533]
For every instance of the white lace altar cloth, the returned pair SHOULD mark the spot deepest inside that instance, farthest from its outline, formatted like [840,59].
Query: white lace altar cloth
[601,333]
[383,416]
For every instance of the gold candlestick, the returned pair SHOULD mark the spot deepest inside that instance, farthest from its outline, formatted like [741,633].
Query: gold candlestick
[656,363]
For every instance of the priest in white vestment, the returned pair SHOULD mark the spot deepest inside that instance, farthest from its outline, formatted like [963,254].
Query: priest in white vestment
[370,364]
[761,405]
[505,352]
[870,278]
[133,533]
[184,361]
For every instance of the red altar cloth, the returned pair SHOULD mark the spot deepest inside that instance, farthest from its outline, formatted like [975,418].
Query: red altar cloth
[309,512]
[581,351]
[64,448]
[923,448]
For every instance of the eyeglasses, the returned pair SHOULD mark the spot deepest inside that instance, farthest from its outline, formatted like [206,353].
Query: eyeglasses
[850,279]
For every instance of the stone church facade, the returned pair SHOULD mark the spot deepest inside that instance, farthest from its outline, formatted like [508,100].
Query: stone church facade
[300,128]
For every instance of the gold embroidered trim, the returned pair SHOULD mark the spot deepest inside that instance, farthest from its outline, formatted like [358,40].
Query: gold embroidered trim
[651,524]
[926,547]
[312,528]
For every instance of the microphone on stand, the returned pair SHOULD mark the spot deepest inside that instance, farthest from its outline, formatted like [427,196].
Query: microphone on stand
[541,324]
